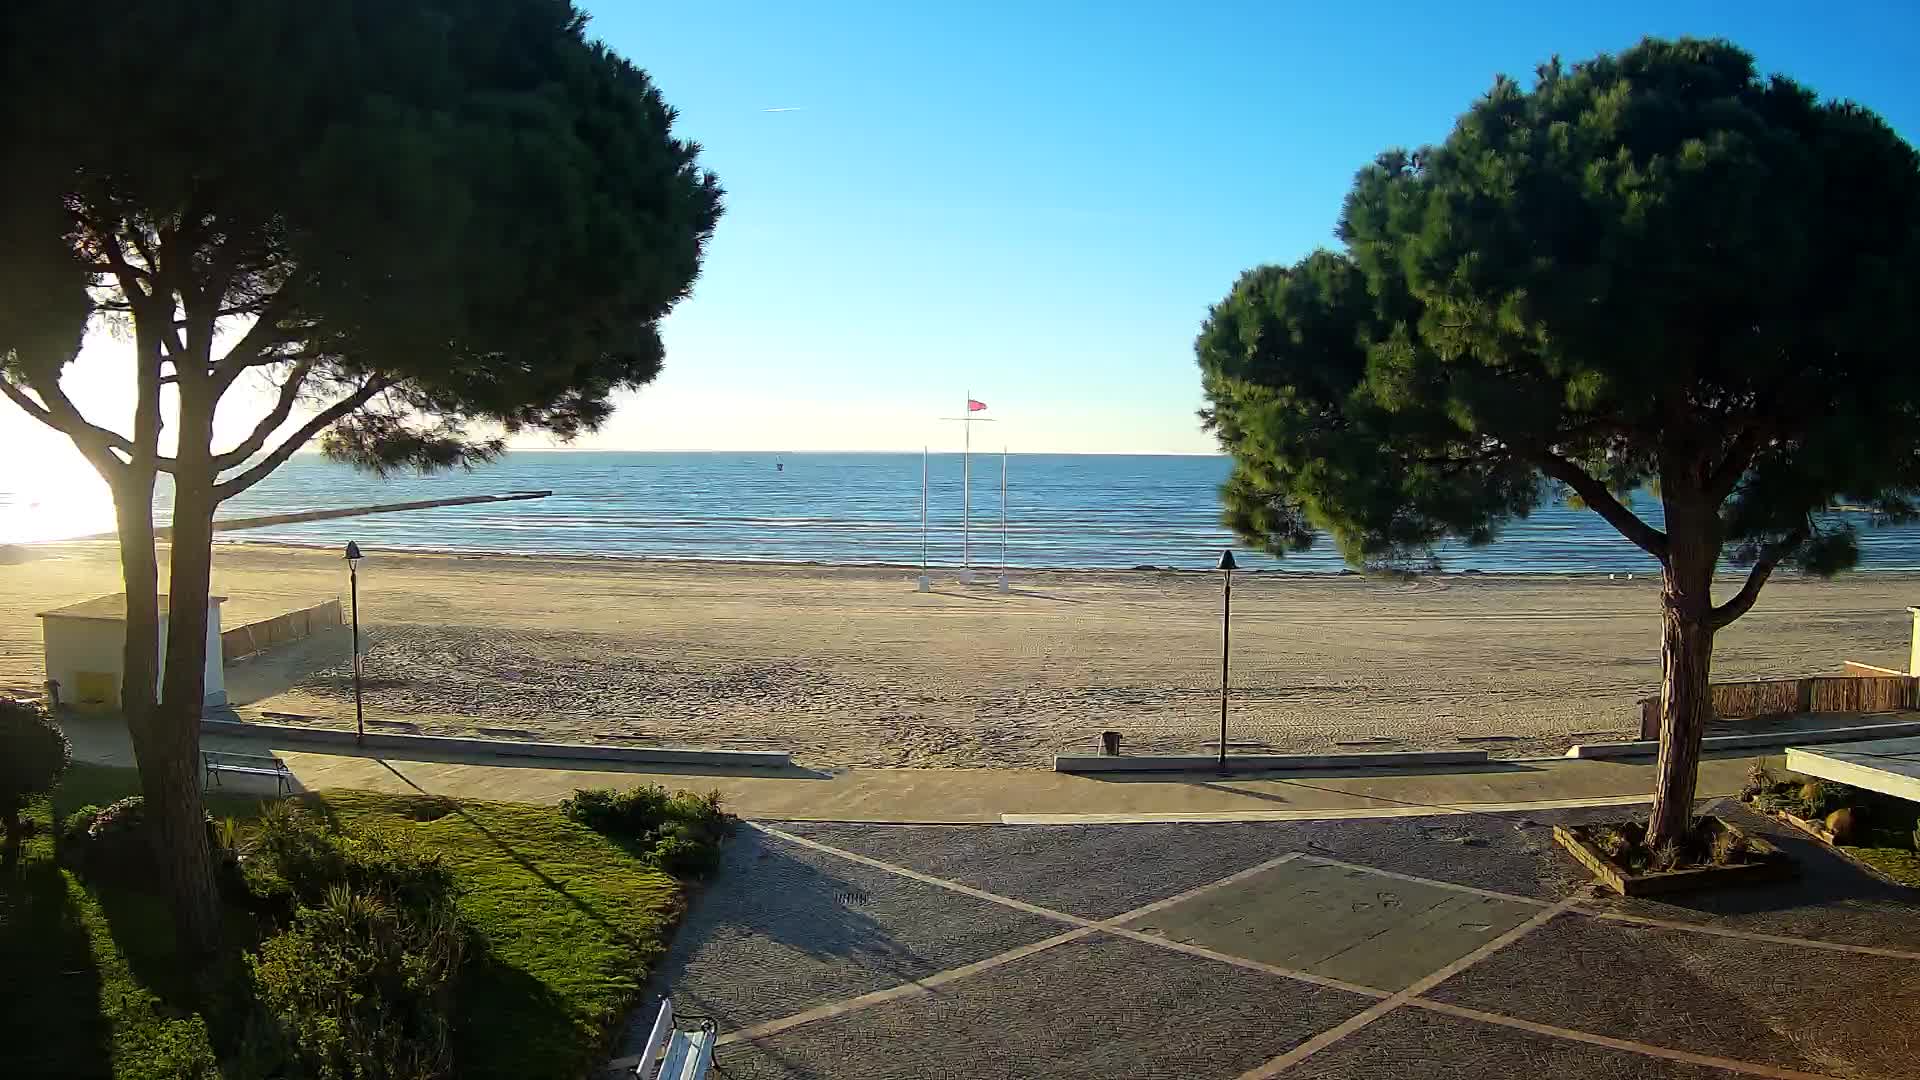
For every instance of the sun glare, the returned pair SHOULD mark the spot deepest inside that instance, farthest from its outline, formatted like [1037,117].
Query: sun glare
[53,499]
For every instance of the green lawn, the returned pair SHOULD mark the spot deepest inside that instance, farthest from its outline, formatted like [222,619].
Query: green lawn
[1900,864]
[570,921]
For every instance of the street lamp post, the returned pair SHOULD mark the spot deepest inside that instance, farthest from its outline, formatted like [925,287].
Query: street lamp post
[353,576]
[1226,568]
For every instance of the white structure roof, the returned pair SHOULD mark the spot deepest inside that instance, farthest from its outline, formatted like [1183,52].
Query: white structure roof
[1888,766]
[108,608]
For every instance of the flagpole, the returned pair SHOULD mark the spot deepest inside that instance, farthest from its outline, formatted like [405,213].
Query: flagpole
[1003,518]
[966,493]
[925,583]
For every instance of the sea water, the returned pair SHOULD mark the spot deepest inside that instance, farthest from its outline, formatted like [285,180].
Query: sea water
[1063,510]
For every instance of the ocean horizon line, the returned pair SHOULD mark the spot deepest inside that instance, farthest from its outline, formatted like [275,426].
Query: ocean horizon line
[984,452]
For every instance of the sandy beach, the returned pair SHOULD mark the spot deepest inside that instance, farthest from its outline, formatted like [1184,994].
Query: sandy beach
[850,666]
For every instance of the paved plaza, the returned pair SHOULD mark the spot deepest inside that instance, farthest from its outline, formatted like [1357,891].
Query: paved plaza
[1448,947]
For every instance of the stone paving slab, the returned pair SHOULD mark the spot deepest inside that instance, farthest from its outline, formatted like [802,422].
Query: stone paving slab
[1098,1008]
[1340,922]
[1831,898]
[1783,1005]
[1098,871]
[1413,1044]
[1094,871]
[1505,852]
[783,928]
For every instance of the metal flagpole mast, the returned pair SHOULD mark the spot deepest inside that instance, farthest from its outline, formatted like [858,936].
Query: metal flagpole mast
[966,488]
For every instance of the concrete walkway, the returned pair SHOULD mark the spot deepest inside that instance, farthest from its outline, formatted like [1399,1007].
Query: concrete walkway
[1451,948]
[1028,796]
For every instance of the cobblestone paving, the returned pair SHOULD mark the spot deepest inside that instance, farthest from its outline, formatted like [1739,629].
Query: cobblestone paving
[817,963]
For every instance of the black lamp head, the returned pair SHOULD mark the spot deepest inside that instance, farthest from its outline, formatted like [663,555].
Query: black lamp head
[353,552]
[1226,560]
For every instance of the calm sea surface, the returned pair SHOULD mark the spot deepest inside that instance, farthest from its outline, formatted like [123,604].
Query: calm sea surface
[1062,511]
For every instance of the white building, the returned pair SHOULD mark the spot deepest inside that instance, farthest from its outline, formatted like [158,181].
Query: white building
[86,646]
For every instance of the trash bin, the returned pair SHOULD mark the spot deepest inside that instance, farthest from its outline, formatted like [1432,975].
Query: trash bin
[1110,743]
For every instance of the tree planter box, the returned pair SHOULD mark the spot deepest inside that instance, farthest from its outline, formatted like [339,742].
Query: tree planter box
[1768,863]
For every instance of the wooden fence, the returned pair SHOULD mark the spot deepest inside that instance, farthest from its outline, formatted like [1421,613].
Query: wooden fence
[1863,692]
[279,630]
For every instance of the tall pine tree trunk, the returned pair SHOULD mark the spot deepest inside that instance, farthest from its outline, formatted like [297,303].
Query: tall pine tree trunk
[169,765]
[1686,663]
[170,771]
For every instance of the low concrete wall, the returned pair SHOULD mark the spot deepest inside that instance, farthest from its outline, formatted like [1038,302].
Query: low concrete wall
[756,759]
[267,633]
[1757,741]
[1390,759]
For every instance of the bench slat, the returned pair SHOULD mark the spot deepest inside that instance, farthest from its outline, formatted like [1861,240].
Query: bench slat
[662,1032]
[702,1045]
[215,762]
[686,1057]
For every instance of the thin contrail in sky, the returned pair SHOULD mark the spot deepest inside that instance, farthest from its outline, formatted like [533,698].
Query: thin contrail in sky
[786,108]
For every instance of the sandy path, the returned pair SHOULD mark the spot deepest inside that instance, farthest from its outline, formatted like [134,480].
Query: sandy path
[850,666]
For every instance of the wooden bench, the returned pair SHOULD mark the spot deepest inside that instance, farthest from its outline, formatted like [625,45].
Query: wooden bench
[249,765]
[681,1055]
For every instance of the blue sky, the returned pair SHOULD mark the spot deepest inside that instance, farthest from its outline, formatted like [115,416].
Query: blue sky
[1036,202]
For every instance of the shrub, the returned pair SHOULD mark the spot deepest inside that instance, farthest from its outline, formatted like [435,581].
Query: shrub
[1728,848]
[685,858]
[111,845]
[294,859]
[34,752]
[73,829]
[678,832]
[168,1049]
[636,813]
[360,981]
[1760,779]
[362,985]
[1611,840]
[1820,798]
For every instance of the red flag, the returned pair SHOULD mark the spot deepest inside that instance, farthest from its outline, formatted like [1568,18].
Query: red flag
[976,406]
